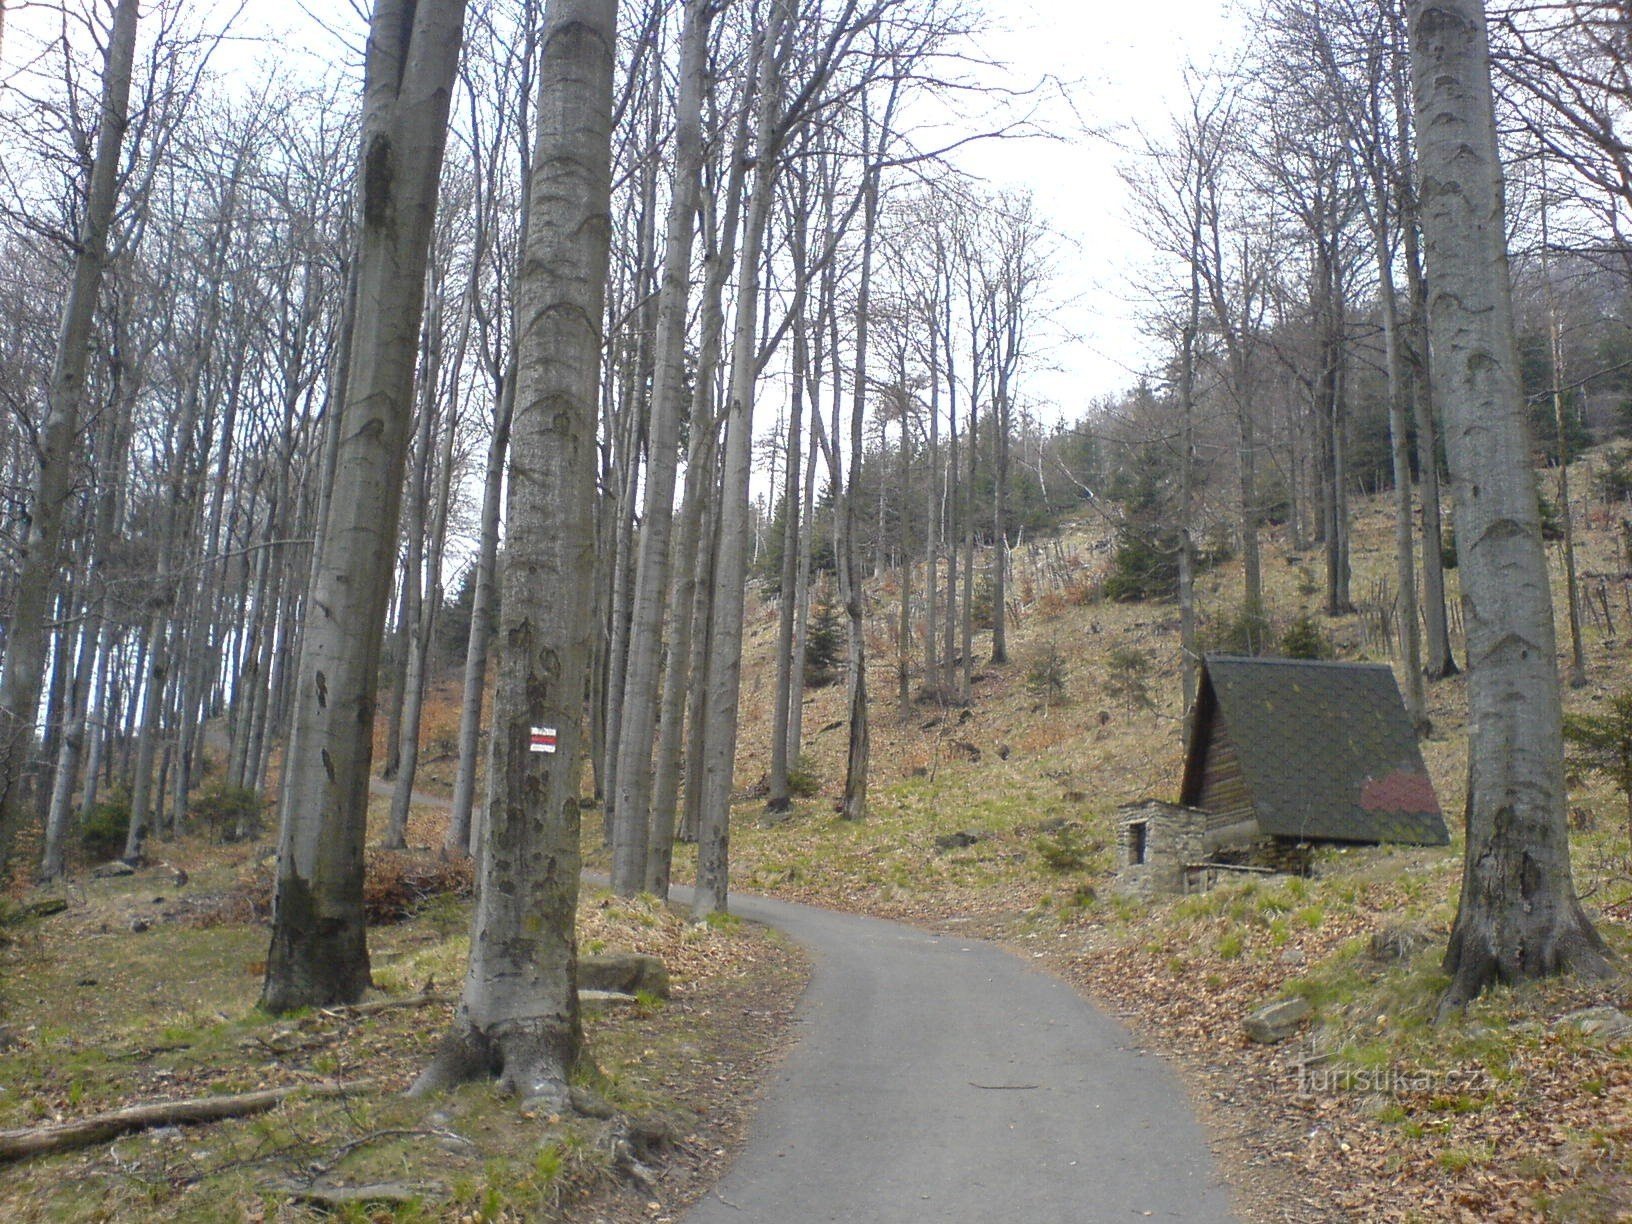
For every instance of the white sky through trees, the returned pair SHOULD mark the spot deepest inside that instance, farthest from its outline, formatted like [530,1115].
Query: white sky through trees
[1119,63]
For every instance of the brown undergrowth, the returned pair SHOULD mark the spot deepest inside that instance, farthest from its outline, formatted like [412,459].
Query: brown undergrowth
[1000,818]
[144,989]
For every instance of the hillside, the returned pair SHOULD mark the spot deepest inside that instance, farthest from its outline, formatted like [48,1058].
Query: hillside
[994,821]
[1506,1114]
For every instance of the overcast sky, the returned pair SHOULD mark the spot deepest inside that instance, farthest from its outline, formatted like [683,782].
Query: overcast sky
[1122,61]
[1125,61]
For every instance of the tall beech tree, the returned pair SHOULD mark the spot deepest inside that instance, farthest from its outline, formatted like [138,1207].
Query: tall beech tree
[518,1017]
[27,632]
[724,669]
[1518,916]
[638,722]
[505,68]
[319,953]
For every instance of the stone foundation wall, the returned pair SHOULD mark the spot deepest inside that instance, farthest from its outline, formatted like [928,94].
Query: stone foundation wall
[1173,837]
[1176,837]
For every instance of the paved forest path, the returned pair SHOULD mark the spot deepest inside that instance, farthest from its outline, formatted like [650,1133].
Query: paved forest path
[942,1080]
[939,1080]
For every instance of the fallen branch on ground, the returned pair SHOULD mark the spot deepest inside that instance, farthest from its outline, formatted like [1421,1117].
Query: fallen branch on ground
[381,1005]
[98,1128]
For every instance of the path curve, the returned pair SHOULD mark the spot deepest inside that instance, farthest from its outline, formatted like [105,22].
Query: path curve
[941,1080]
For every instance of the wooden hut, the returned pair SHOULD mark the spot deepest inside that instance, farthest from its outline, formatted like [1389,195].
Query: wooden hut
[1283,754]
[1309,751]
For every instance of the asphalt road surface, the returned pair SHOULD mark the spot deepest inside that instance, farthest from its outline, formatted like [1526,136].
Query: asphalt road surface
[939,1079]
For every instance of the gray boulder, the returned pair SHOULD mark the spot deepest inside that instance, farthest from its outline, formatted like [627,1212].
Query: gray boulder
[1603,1022]
[623,973]
[1277,1021]
[1399,941]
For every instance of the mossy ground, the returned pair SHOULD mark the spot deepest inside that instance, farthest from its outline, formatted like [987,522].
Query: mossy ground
[1038,784]
[102,1016]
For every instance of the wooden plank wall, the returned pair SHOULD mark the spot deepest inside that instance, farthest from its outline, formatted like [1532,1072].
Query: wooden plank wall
[1224,795]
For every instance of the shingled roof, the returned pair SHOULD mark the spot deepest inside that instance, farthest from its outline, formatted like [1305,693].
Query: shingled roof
[1326,750]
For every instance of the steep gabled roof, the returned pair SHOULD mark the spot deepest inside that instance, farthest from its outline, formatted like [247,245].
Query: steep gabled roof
[1327,750]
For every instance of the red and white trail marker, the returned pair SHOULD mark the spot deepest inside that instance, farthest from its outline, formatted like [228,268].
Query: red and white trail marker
[542,740]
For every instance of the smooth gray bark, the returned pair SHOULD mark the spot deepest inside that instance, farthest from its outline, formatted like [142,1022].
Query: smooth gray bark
[1400,452]
[518,1016]
[483,623]
[420,574]
[501,365]
[1438,661]
[731,559]
[1518,916]
[853,802]
[637,724]
[787,698]
[318,953]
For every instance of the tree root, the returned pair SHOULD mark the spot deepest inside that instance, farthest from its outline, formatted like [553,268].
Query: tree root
[531,1060]
[383,1005]
[1475,960]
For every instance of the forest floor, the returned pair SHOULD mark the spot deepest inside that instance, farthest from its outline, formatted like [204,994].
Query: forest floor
[1373,1113]
[144,990]
[998,820]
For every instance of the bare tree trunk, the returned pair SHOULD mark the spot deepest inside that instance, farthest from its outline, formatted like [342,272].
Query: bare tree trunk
[1000,505]
[796,698]
[147,736]
[1343,602]
[97,717]
[430,607]
[786,698]
[853,803]
[1416,704]
[318,953]
[501,364]
[638,719]
[518,1017]
[1252,581]
[731,559]
[702,637]
[276,667]
[53,481]
[68,754]
[692,575]
[1578,658]
[966,679]
[56,694]
[483,625]
[419,578]
[903,634]
[682,728]
[620,509]
[252,678]
[1189,651]
[932,499]
[949,685]
[1518,917]
[1438,661]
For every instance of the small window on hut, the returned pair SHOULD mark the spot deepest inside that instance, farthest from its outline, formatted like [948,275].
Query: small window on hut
[1136,841]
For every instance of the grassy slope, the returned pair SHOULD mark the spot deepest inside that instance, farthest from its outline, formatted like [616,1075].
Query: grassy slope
[1494,1117]
[99,1015]
[1497,1117]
